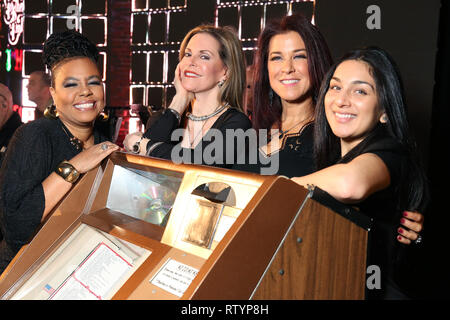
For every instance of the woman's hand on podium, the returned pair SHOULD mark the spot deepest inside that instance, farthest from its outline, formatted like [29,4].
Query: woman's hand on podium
[92,156]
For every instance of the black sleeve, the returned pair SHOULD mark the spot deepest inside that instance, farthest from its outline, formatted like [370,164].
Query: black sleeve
[162,146]
[22,199]
[394,161]
[159,133]
[161,129]
[387,148]
[231,134]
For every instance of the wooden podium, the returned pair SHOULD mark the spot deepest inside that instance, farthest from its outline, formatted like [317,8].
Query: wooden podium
[145,228]
[321,255]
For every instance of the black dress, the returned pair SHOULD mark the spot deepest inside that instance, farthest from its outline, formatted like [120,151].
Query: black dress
[385,207]
[7,131]
[293,159]
[34,152]
[218,147]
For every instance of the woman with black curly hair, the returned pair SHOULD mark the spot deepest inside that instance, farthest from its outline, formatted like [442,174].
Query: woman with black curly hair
[45,157]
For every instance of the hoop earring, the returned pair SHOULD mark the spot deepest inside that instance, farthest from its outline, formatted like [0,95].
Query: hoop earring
[103,116]
[50,112]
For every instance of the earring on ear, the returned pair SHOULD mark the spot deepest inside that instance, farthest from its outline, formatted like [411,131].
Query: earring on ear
[50,112]
[221,82]
[102,116]
[384,118]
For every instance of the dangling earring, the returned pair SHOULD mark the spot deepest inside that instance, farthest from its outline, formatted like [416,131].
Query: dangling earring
[50,112]
[221,82]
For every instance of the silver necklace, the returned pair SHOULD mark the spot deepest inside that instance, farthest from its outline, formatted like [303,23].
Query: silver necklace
[190,116]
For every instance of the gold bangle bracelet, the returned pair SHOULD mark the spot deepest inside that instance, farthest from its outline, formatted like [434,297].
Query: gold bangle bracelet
[67,172]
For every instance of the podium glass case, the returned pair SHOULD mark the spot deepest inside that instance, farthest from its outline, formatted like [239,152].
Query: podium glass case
[145,195]
[146,228]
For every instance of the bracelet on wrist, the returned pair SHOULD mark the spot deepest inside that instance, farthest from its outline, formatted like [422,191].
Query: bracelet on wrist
[176,114]
[152,147]
[67,171]
[136,148]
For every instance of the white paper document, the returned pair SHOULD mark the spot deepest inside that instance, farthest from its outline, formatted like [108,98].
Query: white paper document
[174,277]
[95,276]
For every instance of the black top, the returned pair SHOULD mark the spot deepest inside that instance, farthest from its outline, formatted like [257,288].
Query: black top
[293,159]
[385,208]
[33,154]
[219,147]
[7,131]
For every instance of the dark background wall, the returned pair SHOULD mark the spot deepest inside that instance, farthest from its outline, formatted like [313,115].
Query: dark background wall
[407,30]
[438,218]
[118,67]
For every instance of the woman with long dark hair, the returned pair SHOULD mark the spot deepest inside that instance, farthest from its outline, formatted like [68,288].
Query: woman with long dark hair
[366,156]
[290,63]
[309,54]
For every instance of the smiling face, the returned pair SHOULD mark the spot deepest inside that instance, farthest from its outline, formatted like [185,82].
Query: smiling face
[78,91]
[351,103]
[288,67]
[201,67]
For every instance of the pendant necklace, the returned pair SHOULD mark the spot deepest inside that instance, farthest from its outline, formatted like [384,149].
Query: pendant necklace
[283,132]
[196,136]
[77,143]
[190,116]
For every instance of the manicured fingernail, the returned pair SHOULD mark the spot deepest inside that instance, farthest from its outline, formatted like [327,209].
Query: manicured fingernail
[400,230]
[405,214]
[402,220]
[399,237]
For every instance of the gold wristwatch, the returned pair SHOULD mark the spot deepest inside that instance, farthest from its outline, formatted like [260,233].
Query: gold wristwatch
[67,172]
